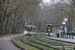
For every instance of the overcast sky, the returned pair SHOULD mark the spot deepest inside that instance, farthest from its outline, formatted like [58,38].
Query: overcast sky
[50,2]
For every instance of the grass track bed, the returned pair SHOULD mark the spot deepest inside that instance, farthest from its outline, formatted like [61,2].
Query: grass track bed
[47,48]
[38,36]
[32,38]
[59,44]
[26,46]
[48,44]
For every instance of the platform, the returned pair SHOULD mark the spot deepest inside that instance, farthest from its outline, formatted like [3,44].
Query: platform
[63,39]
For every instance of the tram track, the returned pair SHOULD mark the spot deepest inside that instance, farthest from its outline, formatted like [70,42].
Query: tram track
[51,42]
[44,44]
[31,44]
[38,41]
[59,41]
[58,48]
[43,40]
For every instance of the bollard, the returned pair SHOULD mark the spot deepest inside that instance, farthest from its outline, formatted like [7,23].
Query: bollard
[63,35]
[72,36]
[69,36]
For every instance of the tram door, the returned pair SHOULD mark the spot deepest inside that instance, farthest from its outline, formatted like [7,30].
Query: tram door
[48,29]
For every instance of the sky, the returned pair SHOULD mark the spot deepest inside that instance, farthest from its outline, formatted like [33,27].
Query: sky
[50,2]
[46,1]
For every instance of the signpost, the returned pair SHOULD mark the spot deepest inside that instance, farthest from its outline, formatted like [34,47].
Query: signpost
[65,19]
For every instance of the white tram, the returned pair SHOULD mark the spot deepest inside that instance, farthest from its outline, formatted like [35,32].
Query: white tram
[30,30]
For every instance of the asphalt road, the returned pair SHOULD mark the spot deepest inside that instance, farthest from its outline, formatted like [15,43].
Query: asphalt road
[6,44]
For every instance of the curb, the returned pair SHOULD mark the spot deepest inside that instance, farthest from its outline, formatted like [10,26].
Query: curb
[17,45]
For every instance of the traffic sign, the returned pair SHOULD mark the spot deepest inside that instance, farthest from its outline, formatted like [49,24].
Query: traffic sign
[65,19]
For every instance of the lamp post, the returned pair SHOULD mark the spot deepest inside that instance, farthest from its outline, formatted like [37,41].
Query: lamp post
[61,21]
[61,14]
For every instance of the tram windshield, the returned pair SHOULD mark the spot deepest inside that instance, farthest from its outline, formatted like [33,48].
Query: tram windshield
[29,28]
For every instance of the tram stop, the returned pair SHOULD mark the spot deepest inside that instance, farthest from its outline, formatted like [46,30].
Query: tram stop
[52,30]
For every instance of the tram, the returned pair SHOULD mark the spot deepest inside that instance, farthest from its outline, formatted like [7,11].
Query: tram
[30,30]
[49,29]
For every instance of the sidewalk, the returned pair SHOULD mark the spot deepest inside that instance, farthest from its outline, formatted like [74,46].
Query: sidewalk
[63,39]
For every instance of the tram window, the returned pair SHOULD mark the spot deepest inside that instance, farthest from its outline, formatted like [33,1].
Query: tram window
[28,28]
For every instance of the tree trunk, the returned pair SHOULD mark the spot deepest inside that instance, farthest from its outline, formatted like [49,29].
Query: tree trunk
[14,27]
[0,20]
[6,24]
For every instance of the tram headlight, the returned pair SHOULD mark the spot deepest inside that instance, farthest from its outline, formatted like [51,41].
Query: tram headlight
[25,32]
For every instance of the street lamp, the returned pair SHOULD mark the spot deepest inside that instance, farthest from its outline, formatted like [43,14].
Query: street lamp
[61,15]
[61,33]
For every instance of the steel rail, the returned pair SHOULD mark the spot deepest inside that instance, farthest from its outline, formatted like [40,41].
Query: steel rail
[31,44]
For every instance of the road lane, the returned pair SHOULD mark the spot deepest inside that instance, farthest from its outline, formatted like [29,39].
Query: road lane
[6,44]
